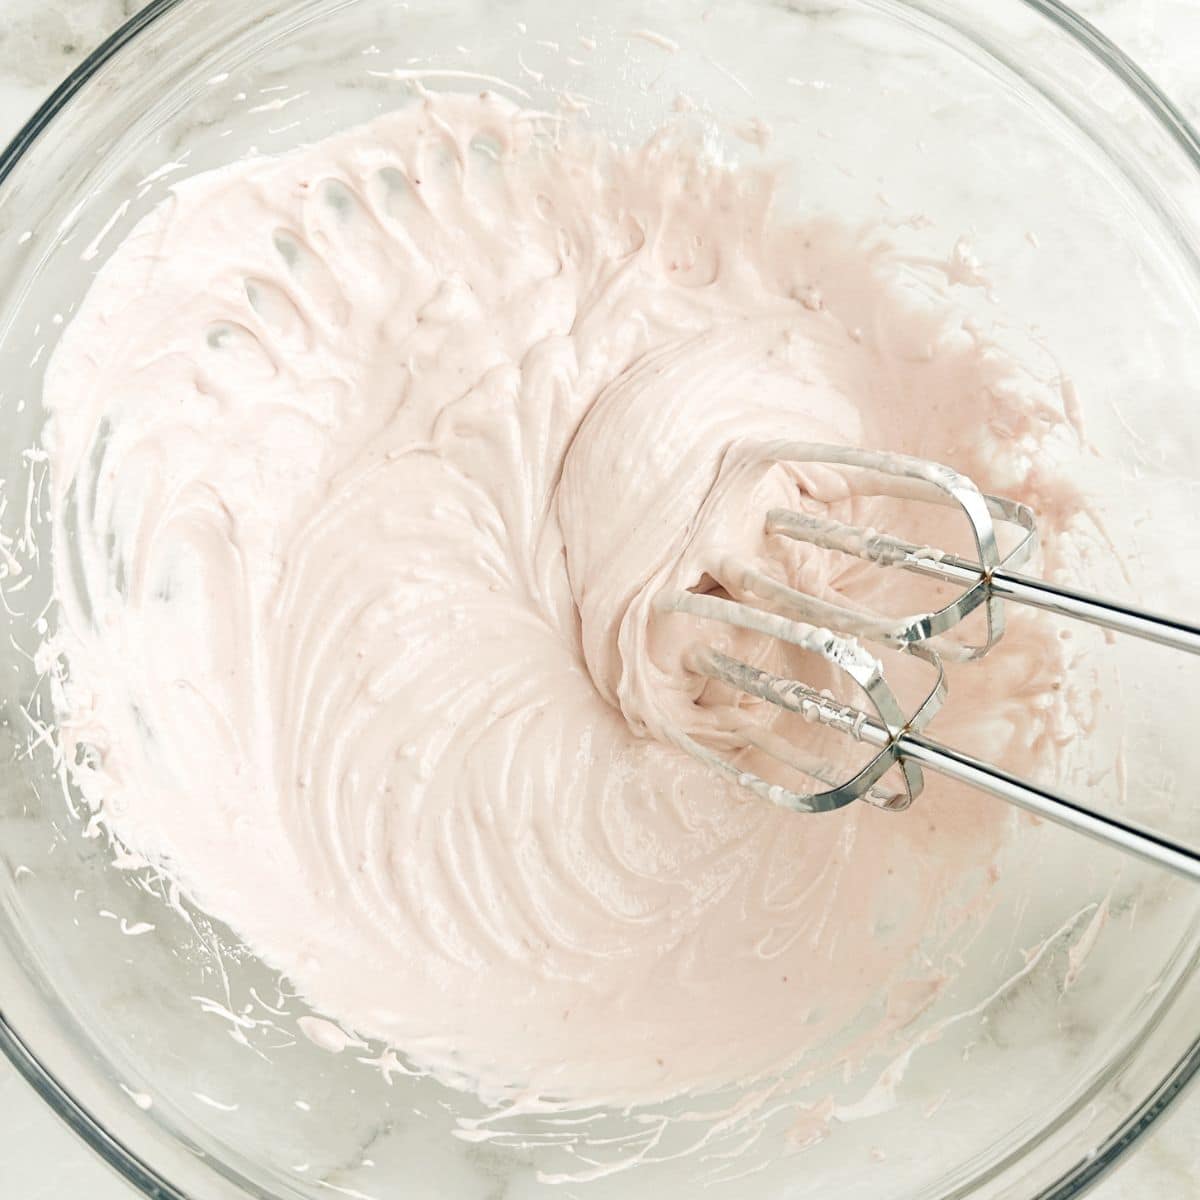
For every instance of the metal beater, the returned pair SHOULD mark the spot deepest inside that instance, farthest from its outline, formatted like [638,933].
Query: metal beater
[986,583]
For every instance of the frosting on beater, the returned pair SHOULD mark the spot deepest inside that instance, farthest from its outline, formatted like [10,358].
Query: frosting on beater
[369,462]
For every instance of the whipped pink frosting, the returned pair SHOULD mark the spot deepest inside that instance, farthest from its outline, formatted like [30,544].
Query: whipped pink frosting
[369,463]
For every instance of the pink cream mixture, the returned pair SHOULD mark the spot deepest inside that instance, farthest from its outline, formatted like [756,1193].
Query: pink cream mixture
[369,463]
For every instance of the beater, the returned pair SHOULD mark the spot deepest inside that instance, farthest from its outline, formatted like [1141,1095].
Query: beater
[883,725]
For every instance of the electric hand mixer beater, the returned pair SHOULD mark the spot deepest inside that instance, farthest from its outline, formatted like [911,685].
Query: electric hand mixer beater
[836,632]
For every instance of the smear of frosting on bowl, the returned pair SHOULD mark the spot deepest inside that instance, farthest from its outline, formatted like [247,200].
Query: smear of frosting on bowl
[368,464]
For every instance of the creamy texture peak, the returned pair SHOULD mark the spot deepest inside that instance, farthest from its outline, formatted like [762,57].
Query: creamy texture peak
[369,462]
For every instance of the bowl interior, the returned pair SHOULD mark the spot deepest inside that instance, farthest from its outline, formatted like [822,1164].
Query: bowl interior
[946,121]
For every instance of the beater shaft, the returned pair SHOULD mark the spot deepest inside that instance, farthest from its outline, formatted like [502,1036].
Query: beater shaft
[907,744]
[985,777]
[886,550]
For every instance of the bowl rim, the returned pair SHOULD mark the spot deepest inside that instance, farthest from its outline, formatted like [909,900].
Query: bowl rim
[126,1161]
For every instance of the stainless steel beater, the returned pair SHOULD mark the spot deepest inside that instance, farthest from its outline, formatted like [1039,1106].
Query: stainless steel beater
[808,622]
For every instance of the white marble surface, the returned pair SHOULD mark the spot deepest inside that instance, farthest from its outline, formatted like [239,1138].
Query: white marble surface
[40,40]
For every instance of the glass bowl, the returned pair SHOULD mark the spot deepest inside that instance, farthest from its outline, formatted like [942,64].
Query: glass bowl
[1012,123]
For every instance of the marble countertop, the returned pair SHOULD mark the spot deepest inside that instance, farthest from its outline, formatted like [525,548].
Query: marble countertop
[40,41]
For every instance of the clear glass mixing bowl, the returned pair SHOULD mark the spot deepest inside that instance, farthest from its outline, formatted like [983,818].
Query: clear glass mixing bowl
[1072,1023]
